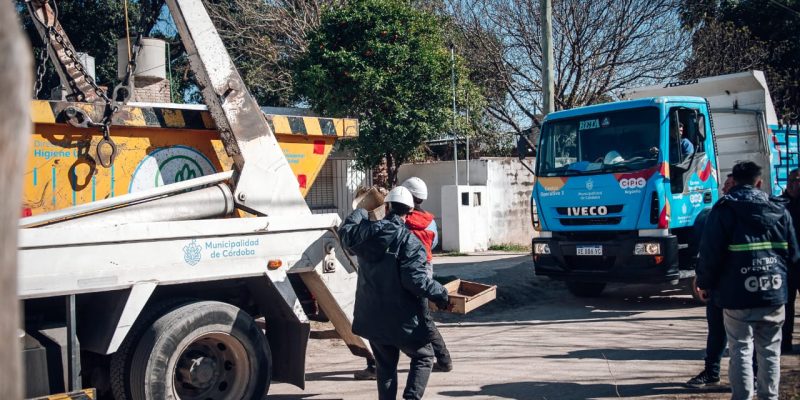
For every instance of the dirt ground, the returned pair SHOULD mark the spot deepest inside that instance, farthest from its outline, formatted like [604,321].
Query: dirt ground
[536,341]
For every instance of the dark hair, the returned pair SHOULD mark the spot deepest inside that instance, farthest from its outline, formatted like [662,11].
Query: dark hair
[746,172]
[399,209]
[795,171]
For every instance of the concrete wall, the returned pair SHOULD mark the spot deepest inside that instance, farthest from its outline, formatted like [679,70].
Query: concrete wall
[509,187]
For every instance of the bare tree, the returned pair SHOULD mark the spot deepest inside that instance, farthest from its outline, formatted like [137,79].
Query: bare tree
[601,47]
[264,37]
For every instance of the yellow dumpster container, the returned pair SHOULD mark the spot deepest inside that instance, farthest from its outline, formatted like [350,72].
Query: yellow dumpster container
[157,145]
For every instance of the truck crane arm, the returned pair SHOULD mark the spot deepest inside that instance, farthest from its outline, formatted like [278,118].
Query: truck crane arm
[264,184]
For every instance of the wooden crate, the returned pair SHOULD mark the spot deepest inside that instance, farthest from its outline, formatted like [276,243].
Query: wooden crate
[466,296]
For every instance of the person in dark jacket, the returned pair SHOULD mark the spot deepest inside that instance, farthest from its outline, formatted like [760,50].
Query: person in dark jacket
[748,246]
[392,294]
[716,338]
[792,196]
[423,226]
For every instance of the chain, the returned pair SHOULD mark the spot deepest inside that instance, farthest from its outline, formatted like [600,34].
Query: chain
[78,65]
[111,105]
[40,71]
[127,86]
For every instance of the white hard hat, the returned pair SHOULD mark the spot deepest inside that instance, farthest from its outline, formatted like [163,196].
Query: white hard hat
[417,187]
[613,157]
[400,195]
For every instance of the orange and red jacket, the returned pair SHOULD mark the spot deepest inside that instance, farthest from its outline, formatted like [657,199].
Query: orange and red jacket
[421,224]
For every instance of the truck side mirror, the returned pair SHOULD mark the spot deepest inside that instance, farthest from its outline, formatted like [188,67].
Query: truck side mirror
[701,127]
[524,147]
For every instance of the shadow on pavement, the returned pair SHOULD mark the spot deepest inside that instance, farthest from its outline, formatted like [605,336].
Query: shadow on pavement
[522,296]
[632,354]
[340,376]
[299,397]
[568,391]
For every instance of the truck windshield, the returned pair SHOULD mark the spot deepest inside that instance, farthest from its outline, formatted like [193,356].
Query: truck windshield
[597,143]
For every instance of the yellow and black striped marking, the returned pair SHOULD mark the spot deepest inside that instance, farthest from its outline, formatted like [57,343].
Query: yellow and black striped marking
[85,394]
[50,112]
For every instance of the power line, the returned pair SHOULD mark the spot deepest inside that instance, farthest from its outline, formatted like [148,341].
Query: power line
[785,7]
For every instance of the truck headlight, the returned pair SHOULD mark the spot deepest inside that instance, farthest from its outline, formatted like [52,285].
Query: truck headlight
[647,249]
[541,248]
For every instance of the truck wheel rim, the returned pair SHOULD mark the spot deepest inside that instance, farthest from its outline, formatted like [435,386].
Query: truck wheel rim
[214,366]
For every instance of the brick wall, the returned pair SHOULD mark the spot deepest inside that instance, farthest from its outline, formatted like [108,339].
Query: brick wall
[152,91]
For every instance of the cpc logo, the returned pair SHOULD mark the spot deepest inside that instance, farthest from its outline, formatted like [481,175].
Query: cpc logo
[632,183]
[695,198]
[763,283]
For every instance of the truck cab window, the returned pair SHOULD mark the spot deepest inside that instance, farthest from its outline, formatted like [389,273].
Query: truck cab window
[686,141]
[616,141]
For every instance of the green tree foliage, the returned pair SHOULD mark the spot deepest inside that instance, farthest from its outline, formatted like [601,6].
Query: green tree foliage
[386,63]
[734,36]
[94,27]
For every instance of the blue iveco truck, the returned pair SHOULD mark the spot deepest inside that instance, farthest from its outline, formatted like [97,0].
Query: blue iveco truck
[619,185]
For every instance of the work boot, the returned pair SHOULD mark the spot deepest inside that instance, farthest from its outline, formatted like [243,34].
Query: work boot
[703,379]
[366,374]
[442,367]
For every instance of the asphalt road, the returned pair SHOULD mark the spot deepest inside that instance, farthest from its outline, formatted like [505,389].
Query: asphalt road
[536,341]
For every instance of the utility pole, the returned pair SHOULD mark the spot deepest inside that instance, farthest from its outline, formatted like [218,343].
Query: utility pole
[453,83]
[548,86]
[16,82]
[467,139]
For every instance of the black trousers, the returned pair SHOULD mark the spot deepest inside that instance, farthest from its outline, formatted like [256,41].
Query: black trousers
[716,340]
[387,356]
[437,341]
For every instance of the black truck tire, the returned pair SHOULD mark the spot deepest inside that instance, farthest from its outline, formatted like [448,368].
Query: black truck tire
[586,289]
[119,366]
[201,350]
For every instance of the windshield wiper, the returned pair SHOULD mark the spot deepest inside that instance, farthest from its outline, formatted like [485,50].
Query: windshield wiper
[616,167]
[566,172]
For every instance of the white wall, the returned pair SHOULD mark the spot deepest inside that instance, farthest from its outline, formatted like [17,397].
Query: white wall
[465,223]
[439,174]
[509,187]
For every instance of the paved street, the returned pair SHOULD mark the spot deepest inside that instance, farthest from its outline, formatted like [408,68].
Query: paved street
[536,341]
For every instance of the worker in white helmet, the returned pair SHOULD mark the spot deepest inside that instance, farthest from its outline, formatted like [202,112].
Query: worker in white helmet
[392,293]
[423,225]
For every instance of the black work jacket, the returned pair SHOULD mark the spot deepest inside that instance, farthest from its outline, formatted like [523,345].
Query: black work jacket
[748,245]
[393,284]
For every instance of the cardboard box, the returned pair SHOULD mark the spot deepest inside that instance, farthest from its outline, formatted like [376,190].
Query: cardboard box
[466,296]
[372,201]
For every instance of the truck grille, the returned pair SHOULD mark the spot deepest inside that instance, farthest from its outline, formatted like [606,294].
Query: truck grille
[590,221]
[589,263]
[594,236]
[612,209]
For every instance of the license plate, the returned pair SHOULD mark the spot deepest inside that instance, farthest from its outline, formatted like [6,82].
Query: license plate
[589,250]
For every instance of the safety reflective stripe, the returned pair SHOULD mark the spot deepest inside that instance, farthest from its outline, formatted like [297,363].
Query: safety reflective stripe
[759,246]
